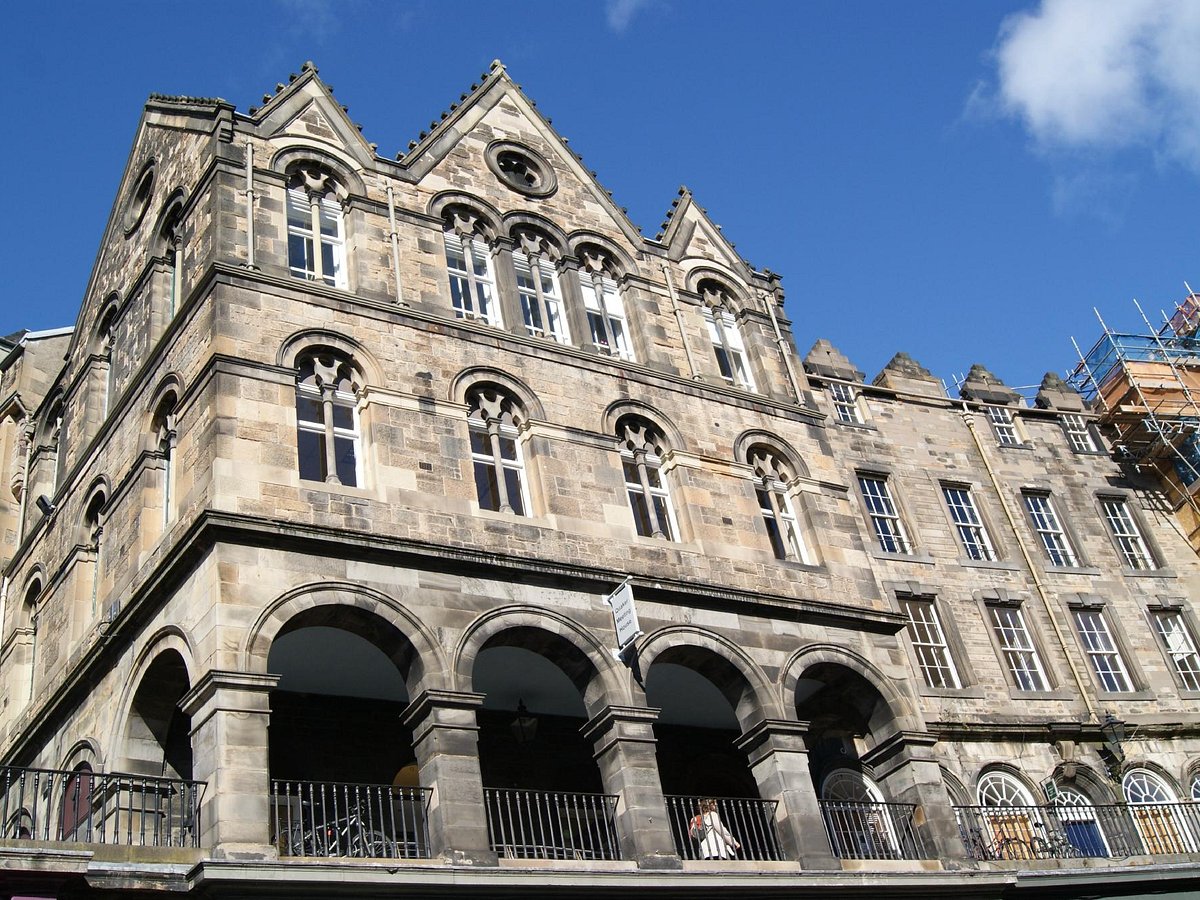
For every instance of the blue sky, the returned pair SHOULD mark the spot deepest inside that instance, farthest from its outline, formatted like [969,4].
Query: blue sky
[963,181]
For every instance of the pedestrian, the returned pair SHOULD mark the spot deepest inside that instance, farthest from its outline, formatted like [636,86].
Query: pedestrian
[716,841]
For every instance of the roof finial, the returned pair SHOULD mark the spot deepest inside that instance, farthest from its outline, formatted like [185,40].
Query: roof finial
[309,66]
[496,64]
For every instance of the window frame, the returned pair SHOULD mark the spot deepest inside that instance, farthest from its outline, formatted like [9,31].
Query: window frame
[968,523]
[1004,425]
[728,347]
[477,288]
[942,646]
[1052,527]
[1010,652]
[603,306]
[535,301]
[329,398]
[1127,534]
[496,432]
[1191,680]
[311,232]
[1108,665]
[1078,432]
[649,462]
[847,408]
[882,508]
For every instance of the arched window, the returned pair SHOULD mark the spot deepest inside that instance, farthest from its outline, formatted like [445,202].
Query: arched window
[1195,788]
[93,533]
[105,341]
[772,476]
[75,823]
[469,262]
[1008,811]
[856,817]
[316,243]
[999,789]
[493,420]
[165,436]
[29,604]
[1159,823]
[537,285]
[724,334]
[171,238]
[327,427]
[602,302]
[1082,828]
[642,449]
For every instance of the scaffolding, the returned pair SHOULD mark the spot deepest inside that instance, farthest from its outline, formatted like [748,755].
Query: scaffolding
[1145,390]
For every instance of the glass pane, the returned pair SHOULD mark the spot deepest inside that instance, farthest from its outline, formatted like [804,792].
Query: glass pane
[329,266]
[512,481]
[343,417]
[776,538]
[631,473]
[664,520]
[764,503]
[653,477]
[723,363]
[299,213]
[619,337]
[641,514]
[460,293]
[479,257]
[347,463]
[311,451]
[508,448]
[455,258]
[330,219]
[531,314]
[300,253]
[480,443]
[484,294]
[596,325]
[308,409]
[486,487]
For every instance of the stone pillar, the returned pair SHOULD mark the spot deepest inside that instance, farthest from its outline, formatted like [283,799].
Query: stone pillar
[506,286]
[906,770]
[229,713]
[623,737]
[779,760]
[446,742]
[577,320]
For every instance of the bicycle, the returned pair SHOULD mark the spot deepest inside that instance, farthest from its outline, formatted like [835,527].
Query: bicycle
[348,836]
[1002,848]
[1051,845]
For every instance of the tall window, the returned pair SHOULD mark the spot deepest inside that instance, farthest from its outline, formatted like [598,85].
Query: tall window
[726,339]
[1045,522]
[775,505]
[327,431]
[93,528]
[316,245]
[1161,826]
[165,436]
[106,338]
[1181,646]
[171,238]
[641,460]
[1079,435]
[929,643]
[1125,532]
[1020,654]
[537,285]
[472,281]
[885,519]
[75,820]
[605,311]
[971,531]
[493,421]
[1003,426]
[845,403]
[1102,650]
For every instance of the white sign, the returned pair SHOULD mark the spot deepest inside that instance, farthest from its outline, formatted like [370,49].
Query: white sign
[624,612]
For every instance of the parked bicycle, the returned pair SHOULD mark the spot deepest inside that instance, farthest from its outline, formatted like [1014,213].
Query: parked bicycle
[348,836]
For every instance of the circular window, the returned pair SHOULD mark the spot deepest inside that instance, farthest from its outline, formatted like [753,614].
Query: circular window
[521,169]
[139,198]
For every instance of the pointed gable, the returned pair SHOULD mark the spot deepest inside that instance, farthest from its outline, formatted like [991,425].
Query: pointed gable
[305,109]
[688,233]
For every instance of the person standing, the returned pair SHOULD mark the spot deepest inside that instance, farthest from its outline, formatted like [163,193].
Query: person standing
[716,841]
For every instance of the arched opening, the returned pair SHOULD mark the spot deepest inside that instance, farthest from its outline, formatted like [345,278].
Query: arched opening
[542,786]
[712,797]
[75,817]
[344,773]
[158,734]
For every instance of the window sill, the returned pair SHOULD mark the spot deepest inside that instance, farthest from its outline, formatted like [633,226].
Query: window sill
[923,559]
[964,693]
[332,488]
[1185,694]
[1103,453]
[1021,446]
[997,564]
[1071,570]
[1055,694]
[1148,573]
[855,426]
[1118,696]
[795,564]
[497,516]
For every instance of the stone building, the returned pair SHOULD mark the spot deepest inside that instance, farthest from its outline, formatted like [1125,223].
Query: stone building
[317,524]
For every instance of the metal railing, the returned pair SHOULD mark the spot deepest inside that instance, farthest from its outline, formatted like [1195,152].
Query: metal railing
[88,807]
[551,825]
[749,822]
[864,830]
[314,818]
[1066,832]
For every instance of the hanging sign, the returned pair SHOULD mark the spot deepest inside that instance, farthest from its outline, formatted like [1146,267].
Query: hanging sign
[625,619]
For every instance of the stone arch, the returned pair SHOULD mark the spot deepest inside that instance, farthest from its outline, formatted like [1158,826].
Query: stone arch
[106,318]
[50,417]
[171,383]
[287,160]
[1086,780]
[315,339]
[959,795]
[154,735]
[95,507]
[424,662]
[722,662]
[518,220]
[622,263]
[747,439]
[169,216]
[1134,764]
[168,638]
[1008,770]
[698,269]
[84,750]
[490,221]
[619,409]
[900,713]
[584,659]
[469,378]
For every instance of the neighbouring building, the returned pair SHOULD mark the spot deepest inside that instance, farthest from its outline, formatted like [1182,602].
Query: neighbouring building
[321,525]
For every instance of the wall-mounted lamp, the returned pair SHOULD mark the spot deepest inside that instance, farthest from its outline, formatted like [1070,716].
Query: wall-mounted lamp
[524,726]
[1112,731]
[44,504]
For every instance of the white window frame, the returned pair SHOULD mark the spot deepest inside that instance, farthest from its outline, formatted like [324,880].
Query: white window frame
[883,514]
[1128,536]
[645,462]
[845,403]
[327,400]
[1079,433]
[928,638]
[1003,425]
[1107,662]
[319,210]
[1056,543]
[972,532]
[493,434]
[541,297]
[1180,646]
[473,294]
[778,511]
[728,347]
[605,312]
[1019,652]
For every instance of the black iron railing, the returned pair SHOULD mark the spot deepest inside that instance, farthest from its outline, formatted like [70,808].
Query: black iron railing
[552,825]
[315,818]
[864,830]
[88,807]
[1066,832]
[739,828]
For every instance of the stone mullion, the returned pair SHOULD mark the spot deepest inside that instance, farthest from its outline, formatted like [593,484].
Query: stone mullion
[535,270]
[639,460]
[314,206]
[781,523]
[331,476]
[572,299]
[506,288]
[598,286]
[505,503]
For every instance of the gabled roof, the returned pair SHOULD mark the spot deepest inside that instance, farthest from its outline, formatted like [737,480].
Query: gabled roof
[685,219]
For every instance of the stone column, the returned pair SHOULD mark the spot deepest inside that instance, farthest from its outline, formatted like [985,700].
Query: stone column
[623,737]
[229,713]
[577,320]
[779,760]
[906,770]
[446,742]
[506,286]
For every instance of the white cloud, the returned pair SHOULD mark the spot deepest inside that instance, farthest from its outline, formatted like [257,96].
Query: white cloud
[621,12]
[1105,75]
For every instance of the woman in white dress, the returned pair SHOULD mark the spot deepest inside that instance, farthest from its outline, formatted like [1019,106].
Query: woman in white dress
[716,841]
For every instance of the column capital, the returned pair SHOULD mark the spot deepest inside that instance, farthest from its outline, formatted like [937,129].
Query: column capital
[768,735]
[222,686]
[621,723]
[903,744]
[435,699]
